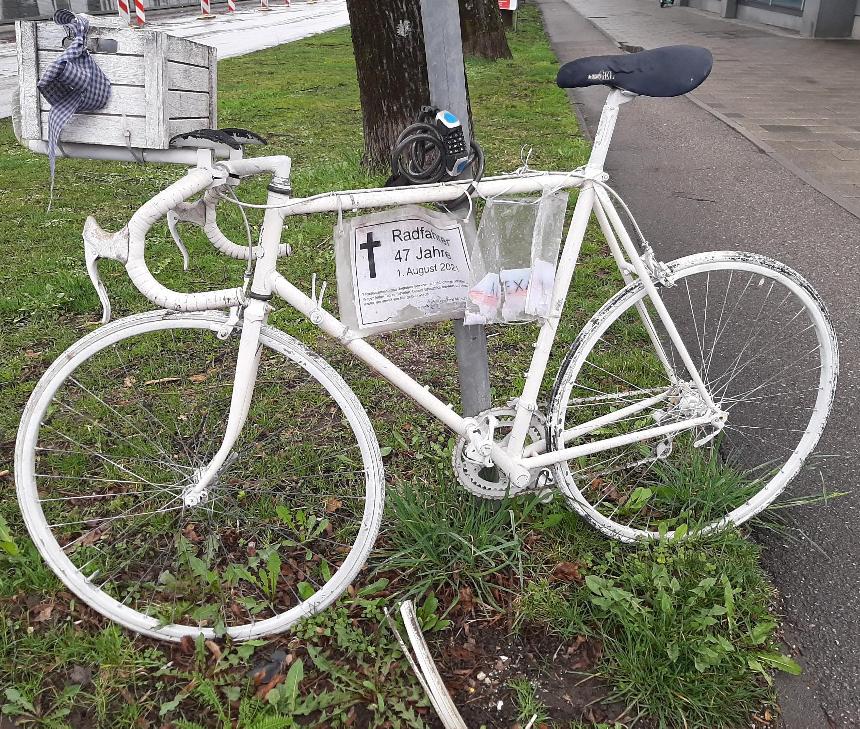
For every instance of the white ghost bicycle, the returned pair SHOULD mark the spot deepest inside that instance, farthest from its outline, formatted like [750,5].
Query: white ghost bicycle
[196,470]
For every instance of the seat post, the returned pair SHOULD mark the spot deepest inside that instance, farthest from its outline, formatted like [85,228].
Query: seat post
[605,128]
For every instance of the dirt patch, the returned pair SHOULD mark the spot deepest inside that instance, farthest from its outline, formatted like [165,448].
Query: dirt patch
[478,667]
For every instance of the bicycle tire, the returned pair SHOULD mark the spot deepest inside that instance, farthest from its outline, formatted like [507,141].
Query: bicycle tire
[604,491]
[108,423]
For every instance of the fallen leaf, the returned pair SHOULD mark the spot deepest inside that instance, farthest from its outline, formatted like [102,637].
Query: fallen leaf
[186,644]
[129,381]
[332,504]
[43,613]
[4,473]
[465,652]
[190,534]
[267,672]
[92,536]
[567,572]
[202,377]
[263,691]
[214,649]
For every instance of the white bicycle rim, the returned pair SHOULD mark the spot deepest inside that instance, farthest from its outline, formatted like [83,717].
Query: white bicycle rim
[622,302]
[65,569]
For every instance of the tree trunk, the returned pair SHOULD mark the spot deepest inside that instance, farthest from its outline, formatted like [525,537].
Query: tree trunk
[392,70]
[388,42]
[482,30]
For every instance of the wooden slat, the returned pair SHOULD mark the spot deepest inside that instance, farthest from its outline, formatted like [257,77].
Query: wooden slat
[30,98]
[213,87]
[181,126]
[181,104]
[100,129]
[123,100]
[155,78]
[129,42]
[182,77]
[126,70]
[109,129]
[186,51]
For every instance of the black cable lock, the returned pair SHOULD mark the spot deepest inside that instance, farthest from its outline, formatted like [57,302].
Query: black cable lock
[433,149]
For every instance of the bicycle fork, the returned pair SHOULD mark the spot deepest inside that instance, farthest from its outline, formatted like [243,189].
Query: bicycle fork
[253,315]
[247,364]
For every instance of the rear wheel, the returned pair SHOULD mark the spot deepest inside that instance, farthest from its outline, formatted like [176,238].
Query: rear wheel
[763,344]
[117,430]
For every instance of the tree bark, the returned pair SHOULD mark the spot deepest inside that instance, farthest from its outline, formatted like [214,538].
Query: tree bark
[482,30]
[388,42]
[392,70]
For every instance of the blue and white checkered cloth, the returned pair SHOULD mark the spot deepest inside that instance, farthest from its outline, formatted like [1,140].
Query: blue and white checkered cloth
[73,82]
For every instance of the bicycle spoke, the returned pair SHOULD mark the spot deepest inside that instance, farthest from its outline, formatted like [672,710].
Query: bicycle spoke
[127,436]
[761,355]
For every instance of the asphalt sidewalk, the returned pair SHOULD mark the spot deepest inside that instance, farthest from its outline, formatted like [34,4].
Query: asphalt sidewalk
[233,34]
[695,184]
[795,97]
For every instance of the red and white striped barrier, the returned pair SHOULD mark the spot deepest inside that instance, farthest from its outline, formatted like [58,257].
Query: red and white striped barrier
[231,6]
[139,12]
[205,10]
[264,5]
[122,9]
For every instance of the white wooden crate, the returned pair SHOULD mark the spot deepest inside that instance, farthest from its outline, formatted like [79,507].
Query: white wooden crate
[161,85]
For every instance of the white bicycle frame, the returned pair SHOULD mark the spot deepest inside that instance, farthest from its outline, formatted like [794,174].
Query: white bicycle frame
[514,459]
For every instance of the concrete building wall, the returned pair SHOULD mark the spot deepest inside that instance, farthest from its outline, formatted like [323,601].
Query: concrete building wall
[754,14]
[711,6]
[820,18]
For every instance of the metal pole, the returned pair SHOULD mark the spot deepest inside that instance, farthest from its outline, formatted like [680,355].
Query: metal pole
[444,49]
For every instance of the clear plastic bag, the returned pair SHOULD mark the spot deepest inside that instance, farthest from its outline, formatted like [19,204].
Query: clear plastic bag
[514,259]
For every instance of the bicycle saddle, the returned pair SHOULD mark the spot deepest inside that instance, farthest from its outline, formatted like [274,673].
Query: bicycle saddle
[216,138]
[666,71]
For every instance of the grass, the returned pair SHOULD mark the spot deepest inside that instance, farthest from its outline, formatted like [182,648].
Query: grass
[529,705]
[685,628]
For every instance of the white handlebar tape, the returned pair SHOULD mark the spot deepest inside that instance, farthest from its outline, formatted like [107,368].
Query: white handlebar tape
[220,241]
[151,212]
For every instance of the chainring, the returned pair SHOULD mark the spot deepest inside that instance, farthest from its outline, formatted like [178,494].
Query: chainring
[490,482]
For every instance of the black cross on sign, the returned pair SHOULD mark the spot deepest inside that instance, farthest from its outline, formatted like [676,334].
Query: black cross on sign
[368,246]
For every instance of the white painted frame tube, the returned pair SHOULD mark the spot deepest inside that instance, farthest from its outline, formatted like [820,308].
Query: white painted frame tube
[268,281]
[652,293]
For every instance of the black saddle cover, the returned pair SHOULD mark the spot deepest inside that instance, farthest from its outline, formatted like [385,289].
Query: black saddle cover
[666,71]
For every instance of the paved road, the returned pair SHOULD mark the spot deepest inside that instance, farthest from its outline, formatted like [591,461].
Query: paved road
[795,96]
[233,35]
[697,184]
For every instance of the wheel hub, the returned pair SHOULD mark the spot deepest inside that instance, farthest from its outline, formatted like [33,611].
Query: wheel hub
[194,494]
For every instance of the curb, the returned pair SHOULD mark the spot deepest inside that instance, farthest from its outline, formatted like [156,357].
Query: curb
[823,188]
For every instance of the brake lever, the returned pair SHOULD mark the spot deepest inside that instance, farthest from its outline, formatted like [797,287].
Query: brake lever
[187,213]
[98,244]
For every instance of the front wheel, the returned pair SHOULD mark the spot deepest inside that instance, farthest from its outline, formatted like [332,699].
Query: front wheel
[764,346]
[116,432]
